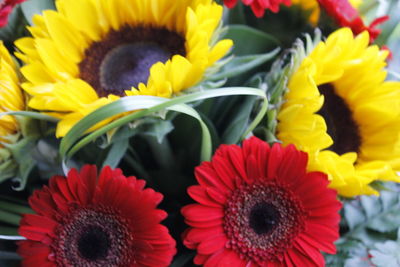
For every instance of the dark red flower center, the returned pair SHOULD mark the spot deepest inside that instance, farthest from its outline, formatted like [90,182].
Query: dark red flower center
[341,126]
[123,58]
[94,243]
[264,217]
[95,236]
[261,220]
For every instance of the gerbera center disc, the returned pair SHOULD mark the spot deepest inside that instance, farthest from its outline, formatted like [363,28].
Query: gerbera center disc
[264,217]
[123,58]
[94,237]
[94,243]
[261,220]
[341,125]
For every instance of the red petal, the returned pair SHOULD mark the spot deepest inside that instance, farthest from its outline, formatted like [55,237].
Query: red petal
[311,252]
[199,194]
[274,161]
[196,212]
[230,3]
[212,244]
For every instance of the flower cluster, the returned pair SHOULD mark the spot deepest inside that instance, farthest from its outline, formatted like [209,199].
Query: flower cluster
[191,132]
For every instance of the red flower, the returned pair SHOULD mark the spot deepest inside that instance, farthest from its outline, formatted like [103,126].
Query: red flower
[87,220]
[259,6]
[6,6]
[259,207]
[346,15]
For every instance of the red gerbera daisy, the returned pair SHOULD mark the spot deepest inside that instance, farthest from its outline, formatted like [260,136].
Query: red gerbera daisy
[346,15]
[259,6]
[87,220]
[6,6]
[259,207]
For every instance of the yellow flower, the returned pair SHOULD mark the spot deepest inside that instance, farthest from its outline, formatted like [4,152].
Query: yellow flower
[89,53]
[340,110]
[11,96]
[313,7]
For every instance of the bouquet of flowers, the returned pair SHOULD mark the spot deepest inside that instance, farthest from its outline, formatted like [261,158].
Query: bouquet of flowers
[199,132]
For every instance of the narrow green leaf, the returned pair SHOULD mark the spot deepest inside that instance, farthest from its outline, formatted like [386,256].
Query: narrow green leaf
[10,218]
[116,153]
[147,105]
[14,208]
[31,114]
[238,124]
[241,64]
[248,40]
[8,231]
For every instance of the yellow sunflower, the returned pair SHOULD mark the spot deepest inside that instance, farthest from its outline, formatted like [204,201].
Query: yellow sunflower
[89,53]
[11,96]
[340,110]
[313,7]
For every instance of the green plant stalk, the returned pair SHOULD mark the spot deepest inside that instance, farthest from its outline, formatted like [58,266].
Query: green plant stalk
[161,151]
[14,208]
[9,217]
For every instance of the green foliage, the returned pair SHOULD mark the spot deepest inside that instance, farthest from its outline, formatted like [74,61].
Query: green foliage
[150,105]
[369,223]
[387,253]
[241,64]
[249,41]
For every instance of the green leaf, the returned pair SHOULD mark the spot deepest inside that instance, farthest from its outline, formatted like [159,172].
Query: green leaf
[156,128]
[248,40]
[373,219]
[116,153]
[116,108]
[8,231]
[241,64]
[22,152]
[31,114]
[33,7]
[386,254]
[14,207]
[353,215]
[348,252]
[9,217]
[357,261]
[149,105]
[238,124]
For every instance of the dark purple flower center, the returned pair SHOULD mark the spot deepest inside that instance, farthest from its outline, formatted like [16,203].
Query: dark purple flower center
[342,128]
[123,58]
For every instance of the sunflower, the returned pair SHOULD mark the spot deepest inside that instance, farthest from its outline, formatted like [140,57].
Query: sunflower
[11,96]
[257,206]
[89,53]
[313,7]
[95,220]
[339,109]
